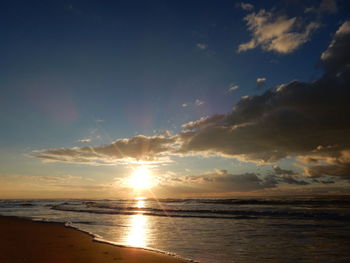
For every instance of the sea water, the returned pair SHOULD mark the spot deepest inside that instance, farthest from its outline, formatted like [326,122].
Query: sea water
[282,229]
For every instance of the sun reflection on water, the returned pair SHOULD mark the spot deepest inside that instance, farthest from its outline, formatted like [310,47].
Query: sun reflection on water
[138,233]
[137,237]
[140,204]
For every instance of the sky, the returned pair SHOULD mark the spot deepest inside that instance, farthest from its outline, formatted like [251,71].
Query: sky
[205,98]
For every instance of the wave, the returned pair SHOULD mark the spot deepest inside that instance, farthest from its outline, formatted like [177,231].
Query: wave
[164,214]
[207,213]
[321,201]
[277,202]
[328,208]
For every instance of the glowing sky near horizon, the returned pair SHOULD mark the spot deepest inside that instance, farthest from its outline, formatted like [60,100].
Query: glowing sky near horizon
[214,98]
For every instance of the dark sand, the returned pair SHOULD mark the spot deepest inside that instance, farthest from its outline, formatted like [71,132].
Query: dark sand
[23,241]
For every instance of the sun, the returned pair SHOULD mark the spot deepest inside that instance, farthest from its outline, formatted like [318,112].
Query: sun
[141,178]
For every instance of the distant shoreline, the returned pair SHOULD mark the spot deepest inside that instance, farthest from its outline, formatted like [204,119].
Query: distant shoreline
[23,240]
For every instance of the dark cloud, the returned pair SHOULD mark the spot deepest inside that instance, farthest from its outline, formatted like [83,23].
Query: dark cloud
[225,181]
[287,179]
[221,181]
[287,176]
[326,6]
[337,56]
[338,166]
[294,119]
[341,170]
[279,171]
[324,181]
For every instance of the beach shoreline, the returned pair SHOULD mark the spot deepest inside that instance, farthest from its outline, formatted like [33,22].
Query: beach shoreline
[24,240]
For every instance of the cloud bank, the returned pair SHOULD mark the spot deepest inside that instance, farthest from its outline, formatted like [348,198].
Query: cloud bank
[221,182]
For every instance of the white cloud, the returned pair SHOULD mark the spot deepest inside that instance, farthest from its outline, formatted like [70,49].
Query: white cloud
[276,33]
[260,80]
[199,102]
[245,6]
[86,140]
[344,29]
[202,46]
[184,105]
[260,83]
[233,88]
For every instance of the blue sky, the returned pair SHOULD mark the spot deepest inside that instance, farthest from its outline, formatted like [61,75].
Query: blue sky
[86,73]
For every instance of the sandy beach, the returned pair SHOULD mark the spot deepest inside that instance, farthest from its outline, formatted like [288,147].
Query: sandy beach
[27,241]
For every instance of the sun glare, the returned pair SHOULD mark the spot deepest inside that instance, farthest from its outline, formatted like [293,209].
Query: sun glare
[141,178]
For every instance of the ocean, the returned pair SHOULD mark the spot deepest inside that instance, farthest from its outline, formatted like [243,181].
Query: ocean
[242,230]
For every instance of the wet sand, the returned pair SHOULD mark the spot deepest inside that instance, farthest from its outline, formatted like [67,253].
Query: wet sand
[23,240]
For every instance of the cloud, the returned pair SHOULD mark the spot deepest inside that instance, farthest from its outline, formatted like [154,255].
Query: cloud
[326,6]
[233,88]
[203,122]
[337,56]
[278,33]
[338,170]
[201,46]
[288,176]
[260,80]
[260,83]
[330,164]
[294,119]
[279,171]
[245,6]
[221,181]
[217,181]
[140,148]
[86,140]
[199,102]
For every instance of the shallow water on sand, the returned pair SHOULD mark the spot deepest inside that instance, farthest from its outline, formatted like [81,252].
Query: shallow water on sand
[210,230]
